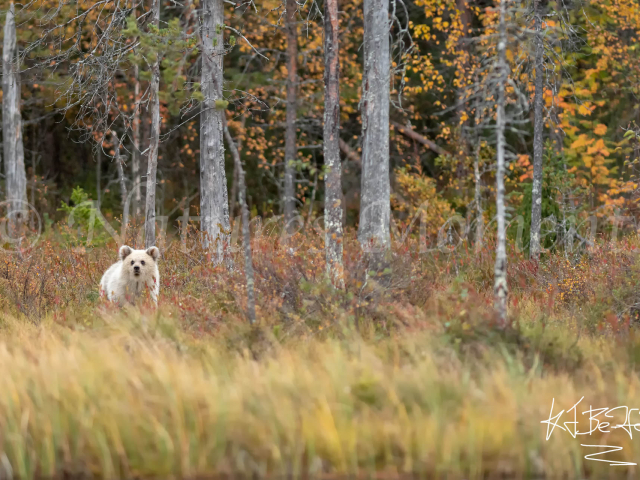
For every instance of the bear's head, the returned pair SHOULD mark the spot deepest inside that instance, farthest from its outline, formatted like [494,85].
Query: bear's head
[139,263]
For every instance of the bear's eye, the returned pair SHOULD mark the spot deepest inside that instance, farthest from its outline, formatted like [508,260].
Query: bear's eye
[132,262]
[142,262]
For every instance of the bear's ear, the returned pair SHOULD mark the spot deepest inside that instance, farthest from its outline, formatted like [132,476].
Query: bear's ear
[125,251]
[153,252]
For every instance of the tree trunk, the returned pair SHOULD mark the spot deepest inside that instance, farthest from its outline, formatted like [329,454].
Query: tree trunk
[154,140]
[375,208]
[214,203]
[465,22]
[99,175]
[234,183]
[500,270]
[312,199]
[123,183]
[333,200]
[536,191]
[119,164]
[478,200]
[34,178]
[16,177]
[135,157]
[290,148]
[246,236]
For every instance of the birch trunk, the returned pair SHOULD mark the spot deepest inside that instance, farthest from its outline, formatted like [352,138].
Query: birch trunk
[500,269]
[135,157]
[290,148]
[16,177]
[214,202]
[154,140]
[246,236]
[536,191]
[333,206]
[375,208]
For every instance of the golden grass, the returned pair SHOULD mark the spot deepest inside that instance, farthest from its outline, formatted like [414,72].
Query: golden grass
[137,397]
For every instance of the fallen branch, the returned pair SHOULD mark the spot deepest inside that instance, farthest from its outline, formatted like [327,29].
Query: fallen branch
[419,138]
[350,152]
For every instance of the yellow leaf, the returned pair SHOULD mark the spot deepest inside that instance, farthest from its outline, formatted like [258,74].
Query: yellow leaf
[588,160]
[598,148]
[583,110]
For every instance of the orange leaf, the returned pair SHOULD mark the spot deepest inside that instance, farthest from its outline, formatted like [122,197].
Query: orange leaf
[600,129]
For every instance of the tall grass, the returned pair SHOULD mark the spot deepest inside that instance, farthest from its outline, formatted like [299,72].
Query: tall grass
[138,398]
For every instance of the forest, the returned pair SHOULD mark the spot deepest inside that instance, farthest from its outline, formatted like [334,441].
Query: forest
[397,238]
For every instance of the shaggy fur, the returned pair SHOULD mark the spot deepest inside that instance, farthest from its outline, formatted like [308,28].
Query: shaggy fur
[132,276]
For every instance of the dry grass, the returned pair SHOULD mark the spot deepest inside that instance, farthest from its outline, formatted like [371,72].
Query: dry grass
[424,385]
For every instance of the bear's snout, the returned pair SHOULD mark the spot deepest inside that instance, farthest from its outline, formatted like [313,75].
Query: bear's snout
[136,270]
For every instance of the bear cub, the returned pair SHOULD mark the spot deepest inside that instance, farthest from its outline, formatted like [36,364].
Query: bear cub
[135,273]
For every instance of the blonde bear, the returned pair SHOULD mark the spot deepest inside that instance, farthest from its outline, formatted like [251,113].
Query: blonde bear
[134,275]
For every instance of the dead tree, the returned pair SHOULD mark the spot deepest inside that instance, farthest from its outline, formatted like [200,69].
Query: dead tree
[290,148]
[16,177]
[136,153]
[214,202]
[246,235]
[536,191]
[333,206]
[118,158]
[500,286]
[550,46]
[154,141]
[375,206]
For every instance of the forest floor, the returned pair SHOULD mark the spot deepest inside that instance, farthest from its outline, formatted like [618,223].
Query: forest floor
[411,378]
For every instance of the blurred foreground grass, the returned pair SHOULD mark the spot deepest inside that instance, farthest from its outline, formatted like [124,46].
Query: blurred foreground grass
[136,397]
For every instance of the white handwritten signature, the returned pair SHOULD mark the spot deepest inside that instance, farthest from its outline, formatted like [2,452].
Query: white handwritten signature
[596,424]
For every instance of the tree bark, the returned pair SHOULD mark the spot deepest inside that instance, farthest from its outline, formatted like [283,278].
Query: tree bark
[154,140]
[375,207]
[290,148]
[500,269]
[15,174]
[246,236]
[478,200]
[123,183]
[135,157]
[99,175]
[465,23]
[234,183]
[538,146]
[34,178]
[214,202]
[119,165]
[333,200]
